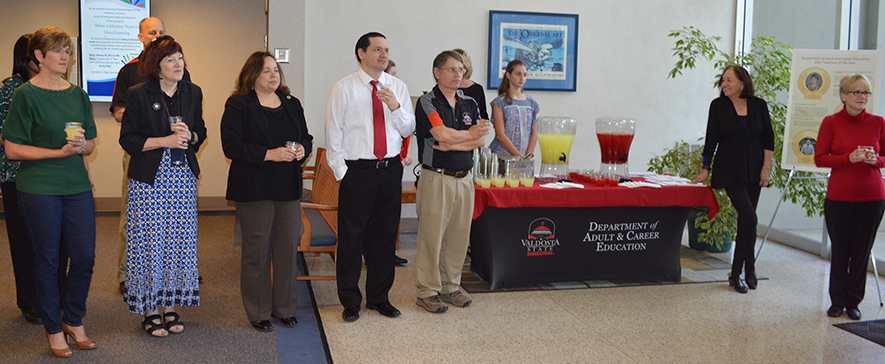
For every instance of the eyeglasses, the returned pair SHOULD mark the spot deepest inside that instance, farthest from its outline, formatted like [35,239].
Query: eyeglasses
[455,70]
[860,93]
[61,51]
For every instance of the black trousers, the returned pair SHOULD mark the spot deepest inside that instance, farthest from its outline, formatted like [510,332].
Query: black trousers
[745,198]
[852,228]
[22,252]
[369,207]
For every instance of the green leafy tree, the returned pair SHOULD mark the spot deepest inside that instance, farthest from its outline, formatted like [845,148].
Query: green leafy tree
[769,65]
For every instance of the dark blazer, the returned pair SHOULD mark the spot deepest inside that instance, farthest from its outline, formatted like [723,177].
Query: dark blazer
[246,138]
[146,117]
[739,156]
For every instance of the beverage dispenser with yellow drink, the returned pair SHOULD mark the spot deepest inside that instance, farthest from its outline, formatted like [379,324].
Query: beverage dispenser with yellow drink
[556,135]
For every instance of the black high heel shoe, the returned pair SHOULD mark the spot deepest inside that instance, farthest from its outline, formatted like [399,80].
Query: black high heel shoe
[752,281]
[735,281]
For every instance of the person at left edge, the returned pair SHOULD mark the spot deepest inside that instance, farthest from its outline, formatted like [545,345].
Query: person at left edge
[161,227]
[54,191]
[265,183]
[368,114]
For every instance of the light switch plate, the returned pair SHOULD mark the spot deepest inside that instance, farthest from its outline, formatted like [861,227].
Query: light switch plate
[281,54]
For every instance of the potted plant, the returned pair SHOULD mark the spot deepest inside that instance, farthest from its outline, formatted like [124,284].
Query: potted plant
[703,234]
[769,66]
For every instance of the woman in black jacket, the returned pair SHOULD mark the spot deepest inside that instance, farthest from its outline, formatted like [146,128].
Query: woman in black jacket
[264,133]
[739,124]
[162,129]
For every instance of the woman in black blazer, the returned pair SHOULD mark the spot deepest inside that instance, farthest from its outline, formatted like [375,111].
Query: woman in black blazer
[264,134]
[161,228]
[739,124]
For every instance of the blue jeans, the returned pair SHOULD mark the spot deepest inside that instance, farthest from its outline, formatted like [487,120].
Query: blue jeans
[48,218]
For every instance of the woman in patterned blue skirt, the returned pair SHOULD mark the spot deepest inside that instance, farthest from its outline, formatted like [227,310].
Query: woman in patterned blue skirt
[162,129]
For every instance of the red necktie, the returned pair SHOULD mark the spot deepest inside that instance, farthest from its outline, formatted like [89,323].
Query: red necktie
[378,117]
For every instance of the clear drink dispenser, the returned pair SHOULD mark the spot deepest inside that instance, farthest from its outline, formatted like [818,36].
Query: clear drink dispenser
[556,135]
[615,136]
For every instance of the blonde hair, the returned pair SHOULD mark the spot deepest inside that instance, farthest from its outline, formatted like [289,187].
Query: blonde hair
[851,81]
[465,59]
[48,39]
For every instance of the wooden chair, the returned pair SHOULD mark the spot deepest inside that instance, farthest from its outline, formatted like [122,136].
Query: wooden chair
[320,216]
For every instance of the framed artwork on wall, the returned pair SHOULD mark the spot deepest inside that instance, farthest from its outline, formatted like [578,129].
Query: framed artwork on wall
[547,43]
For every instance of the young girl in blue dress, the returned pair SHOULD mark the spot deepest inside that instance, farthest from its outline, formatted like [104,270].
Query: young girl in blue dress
[515,115]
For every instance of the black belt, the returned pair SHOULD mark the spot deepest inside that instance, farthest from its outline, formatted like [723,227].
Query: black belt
[456,174]
[369,163]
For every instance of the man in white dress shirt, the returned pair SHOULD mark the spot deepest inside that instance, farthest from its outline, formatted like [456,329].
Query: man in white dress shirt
[368,114]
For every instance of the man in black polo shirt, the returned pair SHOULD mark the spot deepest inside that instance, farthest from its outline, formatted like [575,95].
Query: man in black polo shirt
[448,129]
[148,30]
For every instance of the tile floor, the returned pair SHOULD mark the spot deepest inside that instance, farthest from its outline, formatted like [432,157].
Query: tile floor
[781,322]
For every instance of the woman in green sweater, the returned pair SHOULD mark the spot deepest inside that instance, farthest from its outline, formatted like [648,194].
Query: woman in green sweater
[54,191]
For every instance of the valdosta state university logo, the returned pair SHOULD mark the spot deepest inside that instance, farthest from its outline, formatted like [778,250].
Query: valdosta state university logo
[541,237]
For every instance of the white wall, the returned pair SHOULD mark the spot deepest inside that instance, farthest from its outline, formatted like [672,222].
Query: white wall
[623,60]
[216,39]
[624,56]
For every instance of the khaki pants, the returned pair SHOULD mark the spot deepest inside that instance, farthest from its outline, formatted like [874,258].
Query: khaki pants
[445,210]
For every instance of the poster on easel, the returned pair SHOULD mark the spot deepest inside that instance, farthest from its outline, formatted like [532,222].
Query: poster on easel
[814,95]
[109,40]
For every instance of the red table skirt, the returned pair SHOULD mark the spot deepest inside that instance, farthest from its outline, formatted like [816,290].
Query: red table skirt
[535,196]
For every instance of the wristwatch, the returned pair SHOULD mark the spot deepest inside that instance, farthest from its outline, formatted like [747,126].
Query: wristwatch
[706,168]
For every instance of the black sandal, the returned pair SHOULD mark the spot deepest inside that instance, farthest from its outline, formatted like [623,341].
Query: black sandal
[151,327]
[174,322]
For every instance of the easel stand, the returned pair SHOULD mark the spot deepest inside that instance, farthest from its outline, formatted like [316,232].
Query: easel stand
[823,238]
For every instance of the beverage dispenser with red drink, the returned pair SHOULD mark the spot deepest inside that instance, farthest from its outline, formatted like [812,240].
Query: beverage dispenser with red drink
[615,135]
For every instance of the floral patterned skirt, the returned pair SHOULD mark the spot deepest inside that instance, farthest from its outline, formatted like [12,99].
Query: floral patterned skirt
[161,234]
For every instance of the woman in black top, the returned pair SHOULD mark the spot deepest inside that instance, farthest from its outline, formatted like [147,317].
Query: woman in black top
[739,132]
[162,129]
[471,88]
[260,119]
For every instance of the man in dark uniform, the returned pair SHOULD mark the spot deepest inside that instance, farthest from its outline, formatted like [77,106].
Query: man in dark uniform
[448,131]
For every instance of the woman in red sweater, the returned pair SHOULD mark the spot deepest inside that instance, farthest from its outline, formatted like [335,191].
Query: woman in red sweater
[849,143]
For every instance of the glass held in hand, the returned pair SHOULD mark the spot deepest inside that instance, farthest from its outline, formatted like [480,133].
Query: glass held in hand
[293,146]
[175,120]
[869,151]
[73,128]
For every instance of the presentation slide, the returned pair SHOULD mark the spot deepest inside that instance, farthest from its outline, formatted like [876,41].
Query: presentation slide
[814,94]
[109,40]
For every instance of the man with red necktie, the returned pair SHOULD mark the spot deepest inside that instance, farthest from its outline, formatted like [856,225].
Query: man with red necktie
[368,114]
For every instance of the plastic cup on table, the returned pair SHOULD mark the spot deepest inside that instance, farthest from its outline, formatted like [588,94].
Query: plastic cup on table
[613,180]
[498,180]
[600,179]
[591,177]
[484,181]
[513,180]
[527,179]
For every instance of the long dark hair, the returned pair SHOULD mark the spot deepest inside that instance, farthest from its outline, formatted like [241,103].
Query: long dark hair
[742,75]
[250,72]
[504,87]
[20,58]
